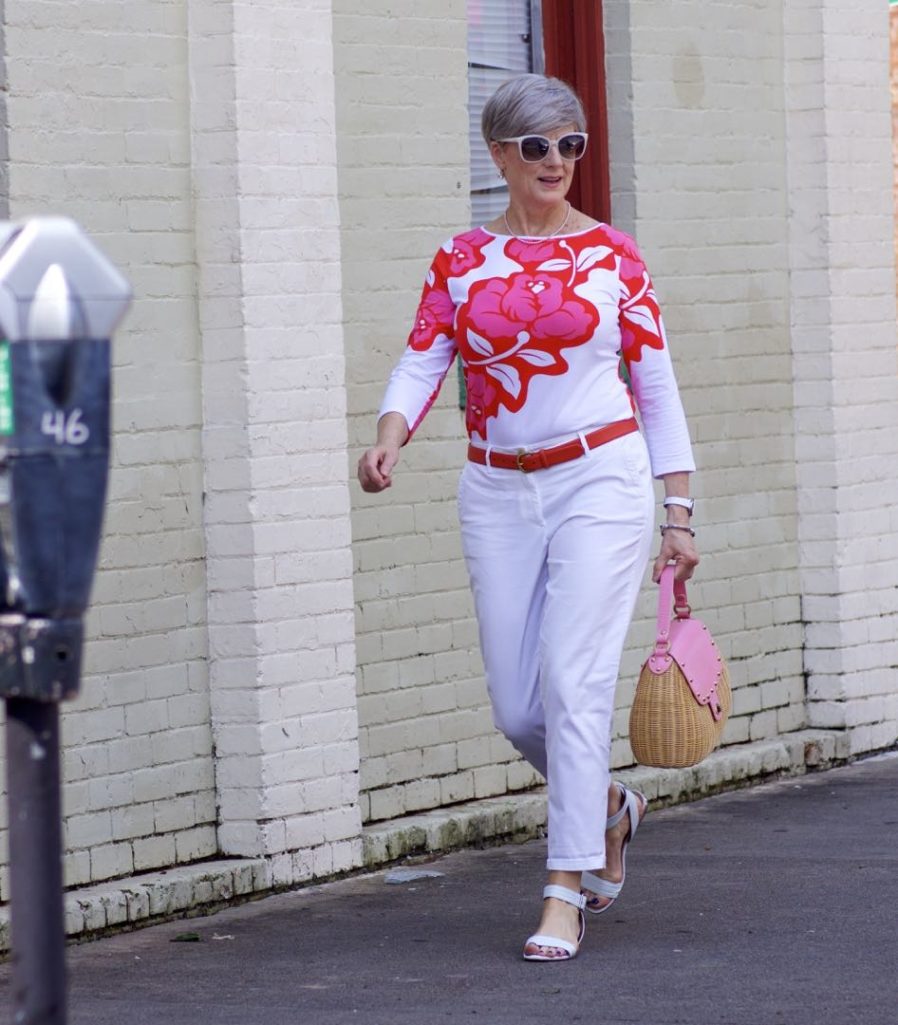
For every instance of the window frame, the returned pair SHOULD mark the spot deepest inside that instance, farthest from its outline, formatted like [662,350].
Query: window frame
[574,45]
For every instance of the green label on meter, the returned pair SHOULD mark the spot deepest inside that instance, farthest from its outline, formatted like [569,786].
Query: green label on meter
[7,424]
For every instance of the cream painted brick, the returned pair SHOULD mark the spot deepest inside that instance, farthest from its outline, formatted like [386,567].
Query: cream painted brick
[736,730]
[127,754]
[459,787]
[790,718]
[404,765]
[522,776]
[490,780]
[110,792]
[134,820]
[153,852]
[827,714]
[341,824]
[385,804]
[421,794]
[76,871]
[86,831]
[111,860]
[746,700]
[473,753]
[195,844]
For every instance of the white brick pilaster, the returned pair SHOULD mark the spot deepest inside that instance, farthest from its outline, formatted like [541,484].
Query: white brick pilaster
[844,360]
[281,627]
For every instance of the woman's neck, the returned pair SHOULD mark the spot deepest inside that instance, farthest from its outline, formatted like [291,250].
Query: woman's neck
[520,221]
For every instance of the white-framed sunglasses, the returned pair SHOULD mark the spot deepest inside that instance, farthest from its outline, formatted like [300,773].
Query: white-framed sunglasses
[534,148]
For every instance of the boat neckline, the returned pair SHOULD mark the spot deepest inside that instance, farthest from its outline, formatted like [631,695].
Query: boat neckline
[545,238]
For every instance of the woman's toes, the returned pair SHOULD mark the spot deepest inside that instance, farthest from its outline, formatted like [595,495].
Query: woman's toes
[596,902]
[553,952]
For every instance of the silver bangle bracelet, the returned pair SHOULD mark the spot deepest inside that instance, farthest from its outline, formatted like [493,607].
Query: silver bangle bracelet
[675,526]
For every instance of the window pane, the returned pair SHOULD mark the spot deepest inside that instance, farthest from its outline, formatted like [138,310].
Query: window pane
[499,47]
[499,34]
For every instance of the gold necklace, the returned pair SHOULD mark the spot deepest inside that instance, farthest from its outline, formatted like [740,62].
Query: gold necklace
[537,238]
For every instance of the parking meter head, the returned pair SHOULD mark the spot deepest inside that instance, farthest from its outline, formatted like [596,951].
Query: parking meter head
[60,300]
[29,250]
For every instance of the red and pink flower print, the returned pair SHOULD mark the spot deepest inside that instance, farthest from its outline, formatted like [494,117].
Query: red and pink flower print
[558,256]
[640,317]
[537,303]
[529,253]
[514,328]
[435,315]
[465,253]
[482,392]
[436,311]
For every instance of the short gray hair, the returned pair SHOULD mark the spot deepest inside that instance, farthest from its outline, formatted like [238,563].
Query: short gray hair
[531,103]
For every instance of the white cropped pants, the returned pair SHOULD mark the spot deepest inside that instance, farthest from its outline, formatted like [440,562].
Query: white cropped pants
[556,559]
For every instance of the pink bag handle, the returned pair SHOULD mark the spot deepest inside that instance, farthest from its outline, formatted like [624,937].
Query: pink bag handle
[671,591]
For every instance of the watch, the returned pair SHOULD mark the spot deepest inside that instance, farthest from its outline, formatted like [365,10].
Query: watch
[687,503]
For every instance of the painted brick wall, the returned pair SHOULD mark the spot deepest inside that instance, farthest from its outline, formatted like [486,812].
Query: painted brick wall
[426,733]
[98,128]
[277,513]
[845,367]
[893,80]
[698,173]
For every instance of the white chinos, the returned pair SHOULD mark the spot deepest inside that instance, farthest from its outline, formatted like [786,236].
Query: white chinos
[556,559]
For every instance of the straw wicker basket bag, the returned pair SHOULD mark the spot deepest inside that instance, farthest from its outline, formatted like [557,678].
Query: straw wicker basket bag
[683,695]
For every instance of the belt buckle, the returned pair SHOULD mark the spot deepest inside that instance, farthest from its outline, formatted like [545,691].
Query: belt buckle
[519,460]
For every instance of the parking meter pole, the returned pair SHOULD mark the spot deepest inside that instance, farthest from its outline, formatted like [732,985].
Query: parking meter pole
[35,862]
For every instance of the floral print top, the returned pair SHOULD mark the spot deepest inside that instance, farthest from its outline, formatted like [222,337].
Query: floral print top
[542,327]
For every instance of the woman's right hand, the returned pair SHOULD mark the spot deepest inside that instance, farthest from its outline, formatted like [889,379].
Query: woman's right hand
[376,467]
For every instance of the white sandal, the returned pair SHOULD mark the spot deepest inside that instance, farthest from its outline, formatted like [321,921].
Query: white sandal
[544,940]
[602,887]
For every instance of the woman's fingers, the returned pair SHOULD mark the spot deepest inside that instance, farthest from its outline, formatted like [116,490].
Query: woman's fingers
[677,547]
[376,468]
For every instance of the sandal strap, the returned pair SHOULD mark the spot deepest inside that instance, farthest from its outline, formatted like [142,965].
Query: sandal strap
[601,887]
[568,896]
[629,806]
[543,940]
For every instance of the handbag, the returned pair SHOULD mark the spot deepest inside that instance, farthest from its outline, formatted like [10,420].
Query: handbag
[683,696]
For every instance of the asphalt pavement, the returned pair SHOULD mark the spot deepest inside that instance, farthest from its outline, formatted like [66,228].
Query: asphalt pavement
[769,906]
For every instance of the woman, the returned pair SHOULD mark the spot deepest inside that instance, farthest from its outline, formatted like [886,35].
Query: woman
[561,339]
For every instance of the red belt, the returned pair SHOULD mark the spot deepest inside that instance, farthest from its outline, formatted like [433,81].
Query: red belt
[543,458]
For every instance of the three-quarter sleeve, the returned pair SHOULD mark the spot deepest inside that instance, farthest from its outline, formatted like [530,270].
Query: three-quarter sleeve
[647,359]
[418,376]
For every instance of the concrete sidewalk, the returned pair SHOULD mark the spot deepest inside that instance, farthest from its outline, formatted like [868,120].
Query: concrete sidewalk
[769,906]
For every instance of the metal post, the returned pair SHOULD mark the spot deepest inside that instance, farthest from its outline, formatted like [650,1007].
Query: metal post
[35,862]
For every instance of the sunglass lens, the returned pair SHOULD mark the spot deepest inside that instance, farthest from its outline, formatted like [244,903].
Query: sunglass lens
[534,147]
[572,147]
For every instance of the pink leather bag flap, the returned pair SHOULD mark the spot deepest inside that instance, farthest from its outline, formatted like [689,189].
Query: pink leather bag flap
[686,641]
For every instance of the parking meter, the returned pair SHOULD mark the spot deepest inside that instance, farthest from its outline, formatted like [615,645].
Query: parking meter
[60,301]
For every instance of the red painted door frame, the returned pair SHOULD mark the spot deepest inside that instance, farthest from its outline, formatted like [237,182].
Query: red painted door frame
[574,44]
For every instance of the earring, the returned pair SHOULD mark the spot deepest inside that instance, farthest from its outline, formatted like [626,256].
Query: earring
[502,173]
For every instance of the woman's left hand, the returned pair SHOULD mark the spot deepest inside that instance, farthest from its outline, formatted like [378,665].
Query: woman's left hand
[677,546]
